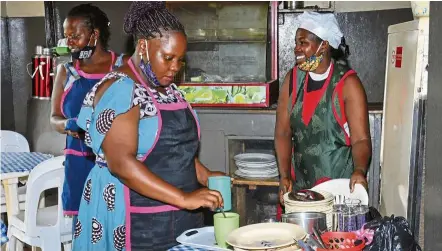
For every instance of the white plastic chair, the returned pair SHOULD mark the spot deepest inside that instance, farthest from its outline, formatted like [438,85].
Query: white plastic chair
[45,227]
[13,142]
[341,187]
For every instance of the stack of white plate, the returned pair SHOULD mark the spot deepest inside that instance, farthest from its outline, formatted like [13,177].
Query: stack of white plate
[256,165]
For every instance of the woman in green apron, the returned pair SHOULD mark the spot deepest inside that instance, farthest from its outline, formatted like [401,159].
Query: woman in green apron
[322,126]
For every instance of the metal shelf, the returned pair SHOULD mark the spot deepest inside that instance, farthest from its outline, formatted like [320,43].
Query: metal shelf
[226,41]
[306,9]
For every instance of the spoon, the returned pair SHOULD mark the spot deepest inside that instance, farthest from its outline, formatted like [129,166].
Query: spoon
[303,245]
[222,211]
[317,234]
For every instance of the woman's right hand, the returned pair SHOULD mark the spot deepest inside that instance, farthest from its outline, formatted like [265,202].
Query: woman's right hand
[285,186]
[203,197]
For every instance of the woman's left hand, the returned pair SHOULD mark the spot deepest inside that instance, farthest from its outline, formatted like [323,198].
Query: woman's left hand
[358,177]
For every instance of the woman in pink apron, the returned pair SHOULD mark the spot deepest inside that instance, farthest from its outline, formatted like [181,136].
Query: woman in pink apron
[145,188]
[87,31]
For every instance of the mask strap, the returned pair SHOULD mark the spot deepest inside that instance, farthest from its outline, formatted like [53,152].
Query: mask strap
[319,47]
[147,52]
[90,38]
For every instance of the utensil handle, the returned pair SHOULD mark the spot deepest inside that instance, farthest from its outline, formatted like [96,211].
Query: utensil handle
[304,246]
[190,232]
[318,236]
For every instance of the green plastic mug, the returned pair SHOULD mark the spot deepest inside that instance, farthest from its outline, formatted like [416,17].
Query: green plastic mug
[224,226]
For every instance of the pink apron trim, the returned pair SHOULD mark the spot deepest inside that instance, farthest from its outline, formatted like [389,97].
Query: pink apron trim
[70,213]
[94,75]
[160,121]
[128,222]
[77,153]
[152,210]
[173,107]
[63,97]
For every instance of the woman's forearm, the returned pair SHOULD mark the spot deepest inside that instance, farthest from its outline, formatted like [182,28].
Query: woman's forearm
[58,123]
[361,152]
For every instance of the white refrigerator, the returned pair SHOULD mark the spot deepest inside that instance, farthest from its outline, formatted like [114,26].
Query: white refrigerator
[403,126]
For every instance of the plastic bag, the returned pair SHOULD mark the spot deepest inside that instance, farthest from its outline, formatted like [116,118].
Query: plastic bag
[391,234]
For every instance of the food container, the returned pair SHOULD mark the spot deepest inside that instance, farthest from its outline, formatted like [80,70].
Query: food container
[307,220]
[323,206]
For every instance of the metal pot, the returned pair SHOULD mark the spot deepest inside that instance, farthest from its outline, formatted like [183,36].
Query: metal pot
[307,220]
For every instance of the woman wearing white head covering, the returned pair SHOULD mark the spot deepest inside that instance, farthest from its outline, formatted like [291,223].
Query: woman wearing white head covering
[323,106]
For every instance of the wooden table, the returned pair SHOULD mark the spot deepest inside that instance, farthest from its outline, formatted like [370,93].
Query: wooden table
[240,186]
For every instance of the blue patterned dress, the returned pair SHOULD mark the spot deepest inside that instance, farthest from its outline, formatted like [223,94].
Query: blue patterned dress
[114,217]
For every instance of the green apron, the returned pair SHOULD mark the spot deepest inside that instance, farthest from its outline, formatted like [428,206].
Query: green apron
[322,147]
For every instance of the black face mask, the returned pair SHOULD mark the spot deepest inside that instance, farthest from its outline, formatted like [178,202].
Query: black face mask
[86,52]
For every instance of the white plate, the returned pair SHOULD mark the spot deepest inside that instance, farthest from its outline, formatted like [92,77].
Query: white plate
[265,236]
[258,171]
[200,238]
[257,174]
[262,175]
[254,165]
[257,158]
[341,187]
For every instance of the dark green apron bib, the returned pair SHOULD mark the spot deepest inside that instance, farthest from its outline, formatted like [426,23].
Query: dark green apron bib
[321,148]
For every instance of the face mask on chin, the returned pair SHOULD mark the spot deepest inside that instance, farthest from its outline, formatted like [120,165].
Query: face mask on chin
[312,63]
[86,52]
[146,68]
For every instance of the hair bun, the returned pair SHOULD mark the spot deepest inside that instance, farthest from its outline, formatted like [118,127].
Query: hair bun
[146,6]
[156,5]
[138,9]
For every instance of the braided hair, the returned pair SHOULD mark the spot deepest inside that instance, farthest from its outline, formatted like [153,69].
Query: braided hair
[147,19]
[94,18]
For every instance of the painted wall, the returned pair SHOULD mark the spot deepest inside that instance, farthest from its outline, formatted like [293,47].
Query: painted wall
[30,117]
[433,174]
[23,8]
[366,35]
[23,28]
[356,6]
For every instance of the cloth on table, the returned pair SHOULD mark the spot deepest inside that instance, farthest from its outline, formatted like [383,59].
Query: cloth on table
[12,162]
[185,248]
[4,235]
